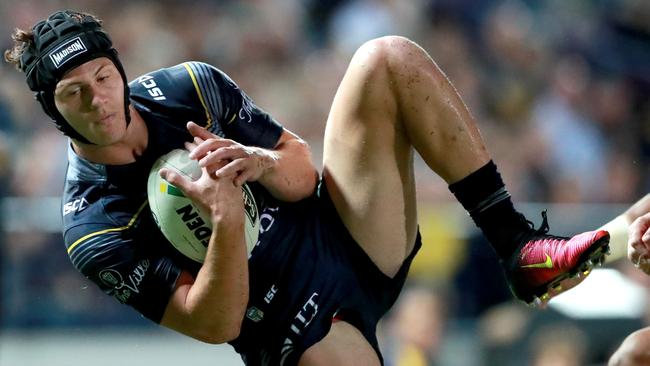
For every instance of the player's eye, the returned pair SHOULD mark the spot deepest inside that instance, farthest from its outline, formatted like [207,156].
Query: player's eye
[102,77]
[73,91]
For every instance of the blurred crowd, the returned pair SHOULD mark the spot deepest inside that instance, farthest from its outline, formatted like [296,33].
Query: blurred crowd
[559,90]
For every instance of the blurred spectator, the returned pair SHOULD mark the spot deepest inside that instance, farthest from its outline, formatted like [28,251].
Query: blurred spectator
[417,325]
[476,292]
[558,345]
[575,145]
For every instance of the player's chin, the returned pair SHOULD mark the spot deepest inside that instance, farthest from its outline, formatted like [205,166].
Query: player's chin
[104,134]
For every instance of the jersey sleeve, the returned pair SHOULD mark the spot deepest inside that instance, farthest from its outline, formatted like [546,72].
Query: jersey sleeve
[106,249]
[229,111]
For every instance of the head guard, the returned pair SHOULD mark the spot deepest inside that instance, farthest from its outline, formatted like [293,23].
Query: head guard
[62,42]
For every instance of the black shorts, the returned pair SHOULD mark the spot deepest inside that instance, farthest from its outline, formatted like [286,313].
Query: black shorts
[309,271]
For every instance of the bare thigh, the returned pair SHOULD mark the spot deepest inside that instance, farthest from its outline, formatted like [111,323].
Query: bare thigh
[344,345]
[368,163]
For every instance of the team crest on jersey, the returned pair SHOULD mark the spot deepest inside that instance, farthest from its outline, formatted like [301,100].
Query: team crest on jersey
[110,277]
[254,314]
[122,288]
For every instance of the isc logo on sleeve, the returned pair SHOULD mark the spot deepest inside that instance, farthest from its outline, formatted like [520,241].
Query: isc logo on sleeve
[76,205]
[150,84]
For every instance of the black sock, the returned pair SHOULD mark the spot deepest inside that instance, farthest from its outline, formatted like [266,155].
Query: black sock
[483,194]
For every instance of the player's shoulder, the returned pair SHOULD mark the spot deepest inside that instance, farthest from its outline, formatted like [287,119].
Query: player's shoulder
[191,85]
[204,72]
[181,77]
[90,203]
[97,222]
[162,85]
[92,208]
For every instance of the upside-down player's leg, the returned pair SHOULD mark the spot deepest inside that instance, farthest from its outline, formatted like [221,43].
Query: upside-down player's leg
[393,100]
[368,157]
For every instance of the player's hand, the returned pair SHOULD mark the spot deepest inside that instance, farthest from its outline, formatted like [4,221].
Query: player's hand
[220,197]
[228,158]
[638,248]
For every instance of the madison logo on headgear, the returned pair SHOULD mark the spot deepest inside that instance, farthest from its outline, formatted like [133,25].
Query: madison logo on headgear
[67,51]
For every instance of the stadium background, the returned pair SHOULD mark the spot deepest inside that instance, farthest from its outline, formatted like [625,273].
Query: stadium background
[559,89]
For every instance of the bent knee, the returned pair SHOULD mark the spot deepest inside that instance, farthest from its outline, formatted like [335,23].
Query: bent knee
[635,350]
[380,54]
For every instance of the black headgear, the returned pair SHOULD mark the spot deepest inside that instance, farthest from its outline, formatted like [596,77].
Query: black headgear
[61,43]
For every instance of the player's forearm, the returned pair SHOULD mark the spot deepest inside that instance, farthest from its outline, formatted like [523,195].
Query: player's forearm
[292,175]
[618,228]
[217,300]
[638,209]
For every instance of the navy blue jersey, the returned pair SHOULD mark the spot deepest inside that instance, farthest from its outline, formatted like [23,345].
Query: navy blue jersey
[304,270]
[108,228]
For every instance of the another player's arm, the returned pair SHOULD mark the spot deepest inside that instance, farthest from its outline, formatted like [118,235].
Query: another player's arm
[211,306]
[618,228]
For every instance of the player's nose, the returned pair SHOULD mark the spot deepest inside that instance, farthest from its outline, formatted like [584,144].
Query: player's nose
[97,96]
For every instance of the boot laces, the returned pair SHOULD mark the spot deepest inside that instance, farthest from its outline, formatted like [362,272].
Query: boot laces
[543,229]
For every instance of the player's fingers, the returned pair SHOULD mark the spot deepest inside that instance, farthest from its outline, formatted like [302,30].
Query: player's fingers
[644,266]
[231,169]
[646,238]
[213,168]
[212,163]
[634,257]
[198,131]
[243,177]
[643,263]
[211,158]
[216,165]
[207,174]
[635,231]
[189,146]
[231,152]
[640,258]
[207,146]
[176,180]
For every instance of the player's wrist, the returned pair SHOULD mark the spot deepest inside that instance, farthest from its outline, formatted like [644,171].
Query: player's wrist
[268,162]
[225,214]
[618,233]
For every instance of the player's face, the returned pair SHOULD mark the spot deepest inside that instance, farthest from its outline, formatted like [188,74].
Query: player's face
[91,98]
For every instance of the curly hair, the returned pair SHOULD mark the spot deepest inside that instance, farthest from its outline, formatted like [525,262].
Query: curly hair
[25,38]
[22,40]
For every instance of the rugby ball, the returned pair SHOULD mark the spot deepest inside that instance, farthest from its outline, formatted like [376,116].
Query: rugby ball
[182,222]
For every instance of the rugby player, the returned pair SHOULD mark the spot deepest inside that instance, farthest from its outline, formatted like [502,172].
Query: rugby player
[334,248]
